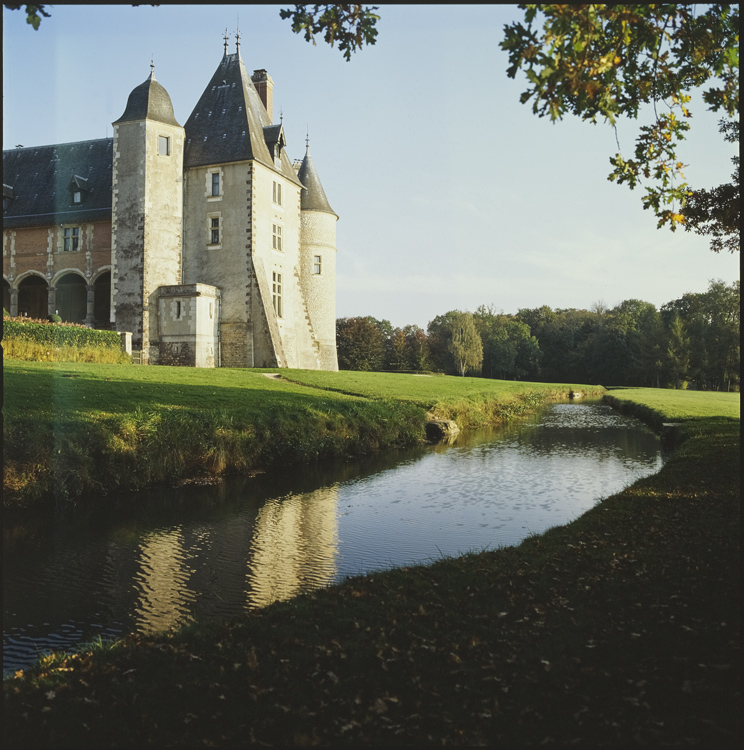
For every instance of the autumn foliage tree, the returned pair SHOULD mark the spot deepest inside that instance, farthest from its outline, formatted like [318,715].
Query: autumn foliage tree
[360,344]
[608,61]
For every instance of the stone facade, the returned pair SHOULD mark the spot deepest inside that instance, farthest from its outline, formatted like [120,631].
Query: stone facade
[203,241]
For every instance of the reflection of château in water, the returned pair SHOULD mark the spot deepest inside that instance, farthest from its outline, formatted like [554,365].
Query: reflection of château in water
[294,547]
[265,554]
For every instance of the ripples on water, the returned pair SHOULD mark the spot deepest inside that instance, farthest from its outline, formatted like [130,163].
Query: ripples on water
[212,552]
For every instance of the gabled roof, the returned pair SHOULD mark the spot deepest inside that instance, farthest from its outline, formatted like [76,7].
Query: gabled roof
[312,197]
[229,121]
[41,178]
[149,101]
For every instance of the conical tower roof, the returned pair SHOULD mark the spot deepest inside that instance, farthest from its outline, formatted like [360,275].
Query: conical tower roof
[313,197]
[149,101]
[230,122]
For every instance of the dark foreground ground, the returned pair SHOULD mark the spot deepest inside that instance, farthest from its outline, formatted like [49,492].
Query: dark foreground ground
[618,630]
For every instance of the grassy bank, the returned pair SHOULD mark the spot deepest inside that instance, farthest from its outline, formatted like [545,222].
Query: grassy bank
[74,428]
[620,629]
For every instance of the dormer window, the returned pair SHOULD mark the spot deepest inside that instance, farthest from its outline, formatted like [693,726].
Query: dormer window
[77,186]
[275,142]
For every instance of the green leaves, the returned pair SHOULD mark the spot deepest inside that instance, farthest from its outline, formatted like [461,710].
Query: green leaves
[33,13]
[351,26]
[609,60]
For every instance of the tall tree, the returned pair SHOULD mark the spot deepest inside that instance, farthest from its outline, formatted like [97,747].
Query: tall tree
[510,351]
[417,348]
[465,344]
[360,344]
[610,60]
[454,342]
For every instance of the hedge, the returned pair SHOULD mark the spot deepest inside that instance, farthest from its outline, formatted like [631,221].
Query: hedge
[50,334]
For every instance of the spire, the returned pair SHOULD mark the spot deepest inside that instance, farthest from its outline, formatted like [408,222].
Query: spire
[226,38]
[312,197]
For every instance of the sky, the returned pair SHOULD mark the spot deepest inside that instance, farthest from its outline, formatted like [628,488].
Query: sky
[450,193]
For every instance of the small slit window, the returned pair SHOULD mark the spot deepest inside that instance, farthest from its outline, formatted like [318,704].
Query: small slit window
[317,265]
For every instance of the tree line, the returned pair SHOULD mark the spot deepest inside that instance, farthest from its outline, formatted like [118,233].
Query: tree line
[690,342]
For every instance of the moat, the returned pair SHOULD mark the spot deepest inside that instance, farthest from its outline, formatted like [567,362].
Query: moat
[153,560]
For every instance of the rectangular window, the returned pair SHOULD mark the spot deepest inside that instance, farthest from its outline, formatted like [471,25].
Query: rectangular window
[164,145]
[178,309]
[71,239]
[277,194]
[215,183]
[76,197]
[276,289]
[276,235]
[317,265]
[214,230]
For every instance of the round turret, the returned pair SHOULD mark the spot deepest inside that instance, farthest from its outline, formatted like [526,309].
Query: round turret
[318,261]
[149,101]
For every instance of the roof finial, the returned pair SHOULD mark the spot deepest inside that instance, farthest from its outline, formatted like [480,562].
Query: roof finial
[307,141]
[226,38]
[237,41]
[281,116]
[152,65]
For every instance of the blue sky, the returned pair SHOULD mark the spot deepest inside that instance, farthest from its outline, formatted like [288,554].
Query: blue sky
[450,193]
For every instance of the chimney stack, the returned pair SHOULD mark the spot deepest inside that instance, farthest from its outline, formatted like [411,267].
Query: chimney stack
[265,88]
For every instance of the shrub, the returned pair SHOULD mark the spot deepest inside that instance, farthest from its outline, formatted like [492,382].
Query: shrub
[63,334]
[54,319]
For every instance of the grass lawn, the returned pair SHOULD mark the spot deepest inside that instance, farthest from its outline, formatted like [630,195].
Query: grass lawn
[425,390]
[620,629]
[75,428]
[686,406]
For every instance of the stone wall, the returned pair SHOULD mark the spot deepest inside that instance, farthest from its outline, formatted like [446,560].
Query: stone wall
[319,289]
[188,316]
[147,206]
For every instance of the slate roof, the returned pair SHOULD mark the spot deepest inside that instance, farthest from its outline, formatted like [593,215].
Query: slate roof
[312,197]
[228,123]
[43,178]
[149,101]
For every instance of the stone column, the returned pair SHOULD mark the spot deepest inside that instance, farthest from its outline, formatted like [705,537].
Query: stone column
[13,302]
[51,300]
[90,299]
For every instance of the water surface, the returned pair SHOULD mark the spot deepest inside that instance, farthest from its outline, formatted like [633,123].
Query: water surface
[152,560]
